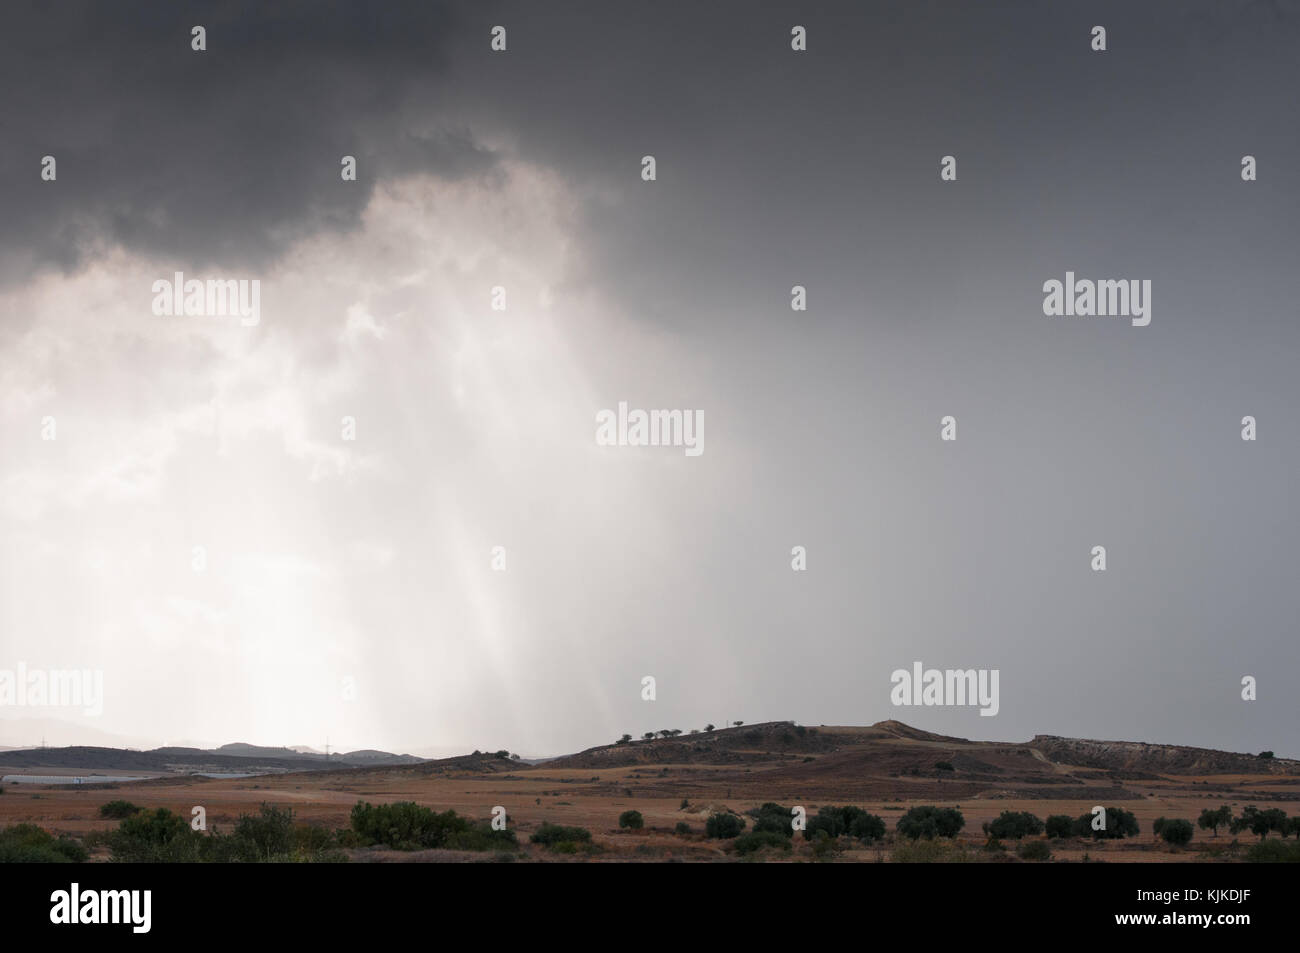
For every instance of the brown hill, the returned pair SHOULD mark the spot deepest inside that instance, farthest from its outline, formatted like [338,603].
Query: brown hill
[896,759]
[1138,756]
[748,743]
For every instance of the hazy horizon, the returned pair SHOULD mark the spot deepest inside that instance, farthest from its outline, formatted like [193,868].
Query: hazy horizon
[453,750]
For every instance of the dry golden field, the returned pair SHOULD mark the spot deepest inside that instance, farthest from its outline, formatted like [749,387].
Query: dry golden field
[686,779]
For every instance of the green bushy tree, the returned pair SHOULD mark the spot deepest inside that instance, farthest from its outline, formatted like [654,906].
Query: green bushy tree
[117,810]
[1212,819]
[724,826]
[156,836]
[32,844]
[1175,831]
[405,825]
[1059,825]
[930,822]
[1013,825]
[557,835]
[1119,824]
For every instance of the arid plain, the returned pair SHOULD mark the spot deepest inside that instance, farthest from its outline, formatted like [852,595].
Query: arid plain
[885,769]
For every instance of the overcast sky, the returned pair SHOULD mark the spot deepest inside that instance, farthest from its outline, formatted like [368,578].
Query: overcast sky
[349,590]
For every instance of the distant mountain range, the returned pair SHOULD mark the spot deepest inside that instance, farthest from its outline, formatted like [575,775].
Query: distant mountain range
[230,758]
[890,748]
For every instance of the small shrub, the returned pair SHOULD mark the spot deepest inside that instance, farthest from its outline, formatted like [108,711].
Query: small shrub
[632,820]
[1060,825]
[157,836]
[1177,832]
[117,809]
[773,819]
[405,825]
[824,846]
[835,821]
[310,838]
[757,840]
[482,836]
[931,852]
[1273,852]
[868,827]
[929,822]
[346,837]
[1014,825]
[264,836]
[1034,850]
[31,844]
[1119,823]
[557,836]
[724,826]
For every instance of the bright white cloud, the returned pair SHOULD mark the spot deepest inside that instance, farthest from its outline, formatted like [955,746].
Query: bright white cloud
[327,559]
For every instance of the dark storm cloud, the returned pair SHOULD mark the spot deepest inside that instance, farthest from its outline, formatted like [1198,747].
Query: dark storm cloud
[221,157]
[827,162]
[229,155]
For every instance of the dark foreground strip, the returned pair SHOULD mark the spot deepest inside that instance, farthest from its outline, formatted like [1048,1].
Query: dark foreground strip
[333,902]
